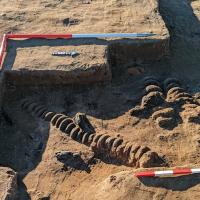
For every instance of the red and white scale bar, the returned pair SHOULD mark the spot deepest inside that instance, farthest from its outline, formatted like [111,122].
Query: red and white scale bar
[167,172]
[86,35]
[66,36]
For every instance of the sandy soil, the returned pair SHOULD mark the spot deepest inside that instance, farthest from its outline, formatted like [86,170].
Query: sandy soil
[36,143]
[81,17]
[92,17]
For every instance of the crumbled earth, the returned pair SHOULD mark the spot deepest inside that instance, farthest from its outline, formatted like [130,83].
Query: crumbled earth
[50,165]
[8,183]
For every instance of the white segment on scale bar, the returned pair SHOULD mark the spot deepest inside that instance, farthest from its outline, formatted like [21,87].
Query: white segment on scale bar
[163,173]
[110,35]
[195,171]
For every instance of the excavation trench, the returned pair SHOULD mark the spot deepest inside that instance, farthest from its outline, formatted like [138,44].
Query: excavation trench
[162,115]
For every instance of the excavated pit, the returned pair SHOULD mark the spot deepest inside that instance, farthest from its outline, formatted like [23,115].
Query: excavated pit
[36,65]
[27,62]
[127,88]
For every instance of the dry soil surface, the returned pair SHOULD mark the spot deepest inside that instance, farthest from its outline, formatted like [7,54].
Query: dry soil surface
[98,16]
[37,143]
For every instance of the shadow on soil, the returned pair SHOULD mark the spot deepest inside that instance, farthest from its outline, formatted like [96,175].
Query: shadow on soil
[180,183]
[23,141]
[184,29]
[179,18]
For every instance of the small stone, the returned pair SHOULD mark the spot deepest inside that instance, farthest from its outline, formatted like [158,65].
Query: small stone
[84,123]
